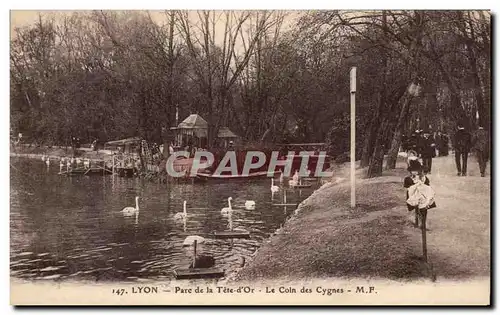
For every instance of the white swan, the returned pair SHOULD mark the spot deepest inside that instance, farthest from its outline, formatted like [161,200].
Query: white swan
[132,210]
[274,188]
[227,210]
[183,214]
[249,204]
[191,238]
[184,224]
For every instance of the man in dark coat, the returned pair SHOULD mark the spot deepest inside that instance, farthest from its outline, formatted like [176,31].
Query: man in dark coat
[413,141]
[439,142]
[461,144]
[480,145]
[443,150]
[404,143]
[427,150]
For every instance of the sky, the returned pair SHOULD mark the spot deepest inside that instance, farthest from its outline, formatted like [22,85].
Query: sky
[20,18]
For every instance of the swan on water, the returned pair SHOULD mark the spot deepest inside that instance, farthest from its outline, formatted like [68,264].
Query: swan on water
[227,210]
[295,180]
[191,238]
[249,204]
[184,224]
[132,210]
[274,188]
[183,214]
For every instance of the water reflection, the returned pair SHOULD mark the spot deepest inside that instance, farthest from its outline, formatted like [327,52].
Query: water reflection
[73,228]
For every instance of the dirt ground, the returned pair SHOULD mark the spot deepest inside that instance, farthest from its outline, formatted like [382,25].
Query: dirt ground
[377,239]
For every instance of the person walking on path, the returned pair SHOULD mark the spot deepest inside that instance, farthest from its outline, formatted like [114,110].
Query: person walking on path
[427,150]
[462,143]
[417,176]
[414,140]
[443,150]
[480,145]
[404,143]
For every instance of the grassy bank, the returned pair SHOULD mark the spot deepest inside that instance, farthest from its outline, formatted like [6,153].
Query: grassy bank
[326,238]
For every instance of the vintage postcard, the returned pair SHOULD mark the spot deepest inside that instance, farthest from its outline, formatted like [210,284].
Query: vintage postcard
[321,157]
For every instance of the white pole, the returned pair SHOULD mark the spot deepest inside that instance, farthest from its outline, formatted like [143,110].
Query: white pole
[353,136]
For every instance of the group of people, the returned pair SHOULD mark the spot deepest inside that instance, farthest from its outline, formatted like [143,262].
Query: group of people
[419,193]
[465,142]
[440,139]
[424,144]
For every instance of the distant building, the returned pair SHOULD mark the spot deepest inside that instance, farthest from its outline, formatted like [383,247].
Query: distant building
[194,130]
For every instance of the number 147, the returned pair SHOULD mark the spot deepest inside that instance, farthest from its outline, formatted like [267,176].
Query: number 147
[119,291]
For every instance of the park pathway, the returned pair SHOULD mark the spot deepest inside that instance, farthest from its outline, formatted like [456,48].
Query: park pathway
[459,228]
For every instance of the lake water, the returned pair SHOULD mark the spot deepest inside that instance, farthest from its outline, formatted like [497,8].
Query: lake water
[71,228]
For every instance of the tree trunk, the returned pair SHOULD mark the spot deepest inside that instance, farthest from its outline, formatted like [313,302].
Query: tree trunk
[457,111]
[376,136]
[398,133]
[478,95]
[377,159]
[373,142]
[428,115]
[392,155]
[369,140]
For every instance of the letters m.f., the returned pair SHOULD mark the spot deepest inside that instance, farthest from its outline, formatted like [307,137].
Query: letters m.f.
[362,289]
